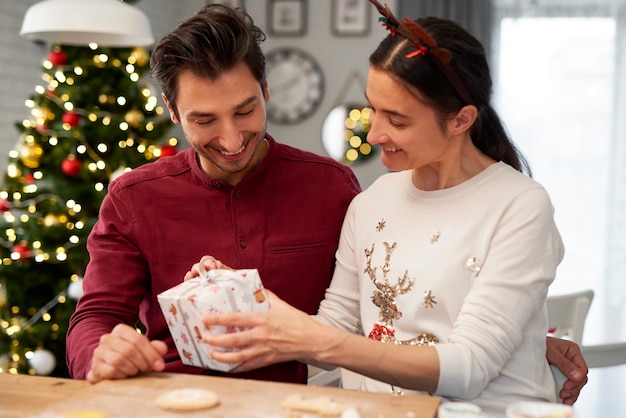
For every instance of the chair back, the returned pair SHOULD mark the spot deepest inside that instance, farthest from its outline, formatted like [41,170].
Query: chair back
[605,355]
[567,314]
[324,377]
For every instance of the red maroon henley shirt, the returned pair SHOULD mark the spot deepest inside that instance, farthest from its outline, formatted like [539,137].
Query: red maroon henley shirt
[158,220]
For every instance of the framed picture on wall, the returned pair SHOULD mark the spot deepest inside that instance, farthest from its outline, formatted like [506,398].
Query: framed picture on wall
[234,3]
[286,17]
[350,17]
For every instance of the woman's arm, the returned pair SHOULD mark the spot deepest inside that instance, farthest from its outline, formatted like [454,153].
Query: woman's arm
[285,333]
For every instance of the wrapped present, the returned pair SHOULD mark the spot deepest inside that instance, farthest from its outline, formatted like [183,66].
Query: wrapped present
[215,291]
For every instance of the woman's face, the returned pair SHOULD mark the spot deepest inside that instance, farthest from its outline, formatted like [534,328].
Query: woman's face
[407,130]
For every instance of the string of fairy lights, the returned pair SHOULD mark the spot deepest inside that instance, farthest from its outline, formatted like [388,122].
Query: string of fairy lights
[344,133]
[357,127]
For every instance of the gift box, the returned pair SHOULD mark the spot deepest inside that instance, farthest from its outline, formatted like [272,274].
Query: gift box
[215,291]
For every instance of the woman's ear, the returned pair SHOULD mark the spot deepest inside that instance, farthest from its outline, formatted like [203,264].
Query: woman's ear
[171,110]
[463,120]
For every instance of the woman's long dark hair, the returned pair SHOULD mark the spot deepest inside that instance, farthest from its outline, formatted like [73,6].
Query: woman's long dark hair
[469,62]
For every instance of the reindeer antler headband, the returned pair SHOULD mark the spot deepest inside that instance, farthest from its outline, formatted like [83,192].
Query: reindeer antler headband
[425,45]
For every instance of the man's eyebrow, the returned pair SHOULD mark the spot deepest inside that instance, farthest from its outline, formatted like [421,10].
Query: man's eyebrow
[246,102]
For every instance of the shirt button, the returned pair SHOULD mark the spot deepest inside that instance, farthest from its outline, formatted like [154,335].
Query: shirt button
[237,193]
[243,244]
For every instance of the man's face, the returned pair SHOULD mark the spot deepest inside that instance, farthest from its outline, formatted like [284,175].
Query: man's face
[223,120]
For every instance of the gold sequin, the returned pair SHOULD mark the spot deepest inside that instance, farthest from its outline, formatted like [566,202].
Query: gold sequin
[429,300]
[381,225]
[435,237]
[385,296]
[422,339]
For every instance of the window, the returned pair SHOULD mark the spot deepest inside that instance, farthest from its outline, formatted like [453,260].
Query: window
[556,95]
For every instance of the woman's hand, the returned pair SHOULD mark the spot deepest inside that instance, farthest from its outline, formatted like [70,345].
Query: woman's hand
[206,263]
[283,333]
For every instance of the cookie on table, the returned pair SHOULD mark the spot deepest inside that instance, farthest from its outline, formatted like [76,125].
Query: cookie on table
[188,399]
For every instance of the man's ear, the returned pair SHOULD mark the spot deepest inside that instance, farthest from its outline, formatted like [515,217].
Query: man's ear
[171,110]
[464,119]
[266,90]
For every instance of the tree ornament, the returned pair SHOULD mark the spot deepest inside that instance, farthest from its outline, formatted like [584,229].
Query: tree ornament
[30,154]
[71,118]
[42,128]
[43,362]
[134,118]
[43,114]
[168,150]
[71,166]
[57,57]
[5,362]
[5,205]
[141,56]
[117,173]
[75,289]
[3,297]
[29,178]
[51,219]
[22,249]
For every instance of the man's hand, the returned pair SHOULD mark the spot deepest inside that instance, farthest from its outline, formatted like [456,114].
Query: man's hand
[568,358]
[125,352]
[206,263]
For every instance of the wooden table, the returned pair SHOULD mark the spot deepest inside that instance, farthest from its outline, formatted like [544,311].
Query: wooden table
[29,396]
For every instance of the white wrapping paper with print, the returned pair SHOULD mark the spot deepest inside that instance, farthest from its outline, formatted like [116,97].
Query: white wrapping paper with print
[215,291]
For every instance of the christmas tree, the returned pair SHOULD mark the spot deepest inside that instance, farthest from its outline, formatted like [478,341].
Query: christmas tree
[94,116]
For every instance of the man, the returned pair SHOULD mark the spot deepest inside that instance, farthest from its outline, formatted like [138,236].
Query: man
[235,193]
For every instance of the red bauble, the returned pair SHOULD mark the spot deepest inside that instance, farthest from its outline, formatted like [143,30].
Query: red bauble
[5,205]
[57,57]
[168,150]
[22,249]
[71,166]
[71,118]
[29,178]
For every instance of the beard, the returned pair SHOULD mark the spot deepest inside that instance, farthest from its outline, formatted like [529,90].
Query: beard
[216,157]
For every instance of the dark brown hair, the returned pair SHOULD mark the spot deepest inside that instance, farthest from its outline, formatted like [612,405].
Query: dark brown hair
[208,43]
[469,62]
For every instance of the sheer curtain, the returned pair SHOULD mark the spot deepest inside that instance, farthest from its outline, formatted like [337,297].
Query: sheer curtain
[567,111]
[616,256]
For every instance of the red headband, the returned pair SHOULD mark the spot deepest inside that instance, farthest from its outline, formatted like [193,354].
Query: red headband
[425,44]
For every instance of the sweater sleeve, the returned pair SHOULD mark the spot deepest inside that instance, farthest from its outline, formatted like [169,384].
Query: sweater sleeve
[340,307]
[503,313]
[112,291]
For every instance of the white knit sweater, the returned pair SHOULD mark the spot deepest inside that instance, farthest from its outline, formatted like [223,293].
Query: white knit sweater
[480,257]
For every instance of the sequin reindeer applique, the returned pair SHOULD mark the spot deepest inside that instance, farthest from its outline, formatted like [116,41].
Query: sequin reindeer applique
[385,299]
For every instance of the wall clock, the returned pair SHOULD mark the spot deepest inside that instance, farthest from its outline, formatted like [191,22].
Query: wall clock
[296,83]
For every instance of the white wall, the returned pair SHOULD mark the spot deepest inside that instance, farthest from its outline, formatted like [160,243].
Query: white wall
[20,61]
[20,66]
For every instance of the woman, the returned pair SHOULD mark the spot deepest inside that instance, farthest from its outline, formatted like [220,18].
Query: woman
[443,265]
